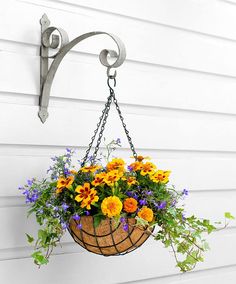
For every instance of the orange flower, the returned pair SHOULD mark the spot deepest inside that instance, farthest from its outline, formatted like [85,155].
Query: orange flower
[141,158]
[146,214]
[99,179]
[130,205]
[111,206]
[116,164]
[64,182]
[148,168]
[73,172]
[90,169]
[112,177]
[136,166]
[160,176]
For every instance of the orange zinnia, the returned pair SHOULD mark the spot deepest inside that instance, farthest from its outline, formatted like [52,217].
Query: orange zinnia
[146,214]
[130,205]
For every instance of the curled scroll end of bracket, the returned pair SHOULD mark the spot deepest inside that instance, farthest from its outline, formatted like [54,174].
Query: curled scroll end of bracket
[50,40]
[43,114]
[106,53]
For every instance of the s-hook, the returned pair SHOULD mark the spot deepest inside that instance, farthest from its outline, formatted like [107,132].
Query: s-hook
[61,42]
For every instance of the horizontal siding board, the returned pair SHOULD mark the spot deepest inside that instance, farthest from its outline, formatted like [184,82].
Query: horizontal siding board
[158,262]
[192,51]
[159,86]
[210,205]
[216,275]
[167,130]
[196,16]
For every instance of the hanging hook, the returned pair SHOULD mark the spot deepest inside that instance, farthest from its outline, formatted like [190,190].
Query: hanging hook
[109,75]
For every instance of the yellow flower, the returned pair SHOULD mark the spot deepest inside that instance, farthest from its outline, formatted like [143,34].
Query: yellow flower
[116,164]
[64,183]
[84,191]
[112,177]
[141,158]
[131,181]
[90,169]
[111,206]
[99,179]
[148,168]
[73,172]
[136,166]
[160,176]
[146,214]
[91,200]
[87,195]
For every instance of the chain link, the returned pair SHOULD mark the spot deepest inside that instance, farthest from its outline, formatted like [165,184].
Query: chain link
[102,122]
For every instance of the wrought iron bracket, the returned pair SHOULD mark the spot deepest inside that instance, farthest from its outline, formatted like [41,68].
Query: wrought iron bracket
[60,41]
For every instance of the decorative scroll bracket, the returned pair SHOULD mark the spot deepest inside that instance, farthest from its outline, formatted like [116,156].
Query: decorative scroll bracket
[61,42]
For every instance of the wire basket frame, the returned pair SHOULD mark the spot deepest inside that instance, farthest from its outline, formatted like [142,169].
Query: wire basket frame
[107,239]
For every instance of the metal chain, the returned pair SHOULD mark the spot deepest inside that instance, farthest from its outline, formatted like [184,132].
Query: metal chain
[122,121]
[102,123]
[104,113]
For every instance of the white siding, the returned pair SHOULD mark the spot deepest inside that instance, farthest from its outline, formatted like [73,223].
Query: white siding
[177,90]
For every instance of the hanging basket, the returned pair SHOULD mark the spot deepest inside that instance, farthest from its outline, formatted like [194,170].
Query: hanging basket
[106,239]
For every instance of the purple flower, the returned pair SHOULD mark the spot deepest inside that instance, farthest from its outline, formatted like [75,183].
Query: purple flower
[68,150]
[76,217]
[30,182]
[130,168]
[87,213]
[142,202]
[50,169]
[26,192]
[129,193]
[34,197]
[183,217]
[148,192]
[21,187]
[135,196]
[65,206]
[64,225]
[118,141]
[40,211]
[79,226]
[126,227]
[185,192]
[55,208]
[54,159]
[66,172]
[122,219]
[162,205]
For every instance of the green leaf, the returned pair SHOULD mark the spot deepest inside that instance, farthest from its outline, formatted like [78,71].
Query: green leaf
[30,239]
[39,259]
[97,219]
[229,216]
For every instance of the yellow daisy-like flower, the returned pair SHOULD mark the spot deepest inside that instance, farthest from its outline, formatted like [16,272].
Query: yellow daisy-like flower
[112,177]
[87,195]
[116,164]
[111,206]
[99,179]
[64,183]
[91,200]
[131,181]
[84,191]
[90,169]
[146,214]
[148,168]
[160,176]
[136,166]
